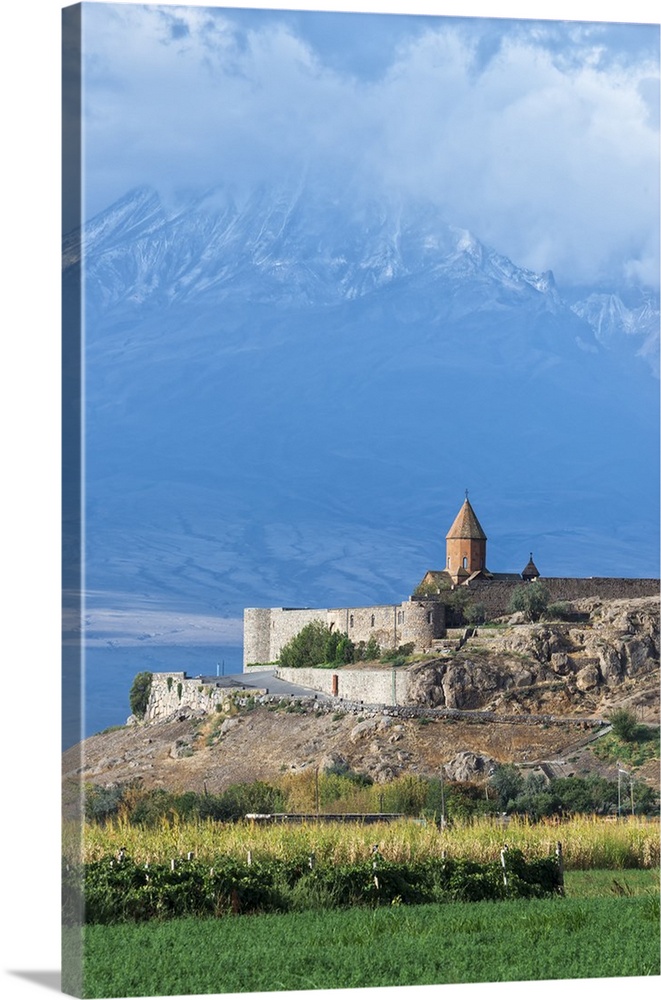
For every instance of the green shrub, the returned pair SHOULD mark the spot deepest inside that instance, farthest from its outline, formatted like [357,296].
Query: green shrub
[102,802]
[316,644]
[559,610]
[139,693]
[475,614]
[624,724]
[531,598]
[120,890]
[397,657]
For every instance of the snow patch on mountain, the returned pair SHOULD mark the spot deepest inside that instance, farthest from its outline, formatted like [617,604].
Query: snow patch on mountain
[616,326]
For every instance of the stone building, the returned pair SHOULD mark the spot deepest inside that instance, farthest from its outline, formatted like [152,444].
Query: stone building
[267,630]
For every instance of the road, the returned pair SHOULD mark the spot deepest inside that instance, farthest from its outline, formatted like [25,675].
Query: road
[264,679]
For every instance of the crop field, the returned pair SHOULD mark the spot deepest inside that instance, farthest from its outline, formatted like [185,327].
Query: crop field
[608,935]
[606,924]
[587,843]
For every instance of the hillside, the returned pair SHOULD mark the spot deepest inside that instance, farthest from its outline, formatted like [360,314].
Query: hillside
[193,751]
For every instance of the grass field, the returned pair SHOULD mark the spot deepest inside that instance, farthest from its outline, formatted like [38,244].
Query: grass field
[607,926]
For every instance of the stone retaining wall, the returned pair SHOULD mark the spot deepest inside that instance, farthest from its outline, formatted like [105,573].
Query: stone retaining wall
[173,691]
[476,716]
[388,686]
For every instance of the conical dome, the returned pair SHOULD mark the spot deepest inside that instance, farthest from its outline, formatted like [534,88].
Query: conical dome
[530,572]
[466,524]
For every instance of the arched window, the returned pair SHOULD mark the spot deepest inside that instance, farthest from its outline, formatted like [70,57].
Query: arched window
[350,621]
[465,563]
[430,617]
[372,621]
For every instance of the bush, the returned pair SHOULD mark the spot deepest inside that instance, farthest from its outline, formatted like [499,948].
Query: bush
[624,724]
[531,598]
[139,693]
[475,614]
[560,610]
[397,657]
[316,644]
[372,649]
[103,802]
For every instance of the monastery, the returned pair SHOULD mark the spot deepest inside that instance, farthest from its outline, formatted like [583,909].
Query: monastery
[422,618]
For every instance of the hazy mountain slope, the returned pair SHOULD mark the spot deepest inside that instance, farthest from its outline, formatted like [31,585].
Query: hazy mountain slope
[286,398]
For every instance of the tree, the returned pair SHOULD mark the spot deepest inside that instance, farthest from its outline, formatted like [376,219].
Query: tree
[507,782]
[139,693]
[307,648]
[316,644]
[372,649]
[531,598]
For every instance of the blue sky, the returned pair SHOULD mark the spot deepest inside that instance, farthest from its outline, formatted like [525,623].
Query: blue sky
[540,136]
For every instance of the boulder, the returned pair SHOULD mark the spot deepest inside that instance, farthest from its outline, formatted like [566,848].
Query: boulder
[468,765]
[332,762]
[560,663]
[588,678]
[229,724]
[369,727]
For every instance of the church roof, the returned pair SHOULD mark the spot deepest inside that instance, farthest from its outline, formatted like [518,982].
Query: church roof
[531,570]
[466,524]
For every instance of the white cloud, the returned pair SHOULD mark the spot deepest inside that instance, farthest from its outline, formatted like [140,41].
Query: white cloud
[543,141]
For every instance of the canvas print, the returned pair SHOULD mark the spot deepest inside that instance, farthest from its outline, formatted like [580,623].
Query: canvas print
[360,500]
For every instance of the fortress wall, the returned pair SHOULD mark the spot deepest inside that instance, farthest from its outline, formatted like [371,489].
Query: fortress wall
[496,594]
[256,635]
[288,622]
[266,630]
[361,624]
[605,587]
[374,687]
[422,621]
[166,698]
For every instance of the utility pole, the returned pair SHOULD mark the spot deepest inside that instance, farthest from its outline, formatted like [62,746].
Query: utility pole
[442,800]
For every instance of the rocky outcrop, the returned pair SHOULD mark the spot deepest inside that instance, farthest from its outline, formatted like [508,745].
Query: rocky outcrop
[547,665]
[468,766]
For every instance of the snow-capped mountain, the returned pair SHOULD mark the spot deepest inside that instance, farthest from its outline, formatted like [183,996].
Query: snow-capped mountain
[286,246]
[632,328]
[287,394]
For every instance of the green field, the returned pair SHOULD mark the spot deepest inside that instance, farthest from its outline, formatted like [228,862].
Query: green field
[607,926]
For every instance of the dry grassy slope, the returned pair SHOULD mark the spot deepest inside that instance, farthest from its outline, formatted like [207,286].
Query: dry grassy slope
[193,753]
[263,744]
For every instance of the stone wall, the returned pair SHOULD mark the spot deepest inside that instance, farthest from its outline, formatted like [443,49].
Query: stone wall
[495,595]
[383,686]
[267,630]
[171,692]
[256,635]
